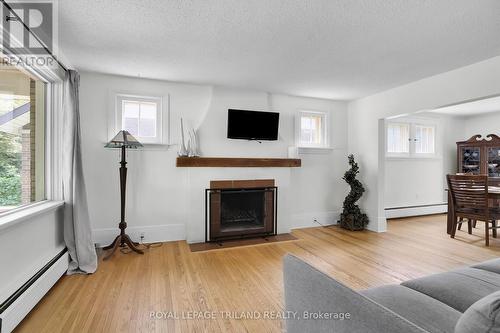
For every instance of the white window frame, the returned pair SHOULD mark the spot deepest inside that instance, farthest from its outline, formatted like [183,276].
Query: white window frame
[413,123]
[53,79]
[162,117]
[326,130]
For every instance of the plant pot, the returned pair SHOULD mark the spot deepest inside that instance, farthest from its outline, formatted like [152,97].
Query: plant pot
[352,222]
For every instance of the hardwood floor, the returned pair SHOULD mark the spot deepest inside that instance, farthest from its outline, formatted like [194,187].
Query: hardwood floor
[124,292]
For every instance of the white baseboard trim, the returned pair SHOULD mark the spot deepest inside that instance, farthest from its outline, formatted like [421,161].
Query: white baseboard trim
[314,219]
[16,311]
[17,281]
[152,234]
[392,213]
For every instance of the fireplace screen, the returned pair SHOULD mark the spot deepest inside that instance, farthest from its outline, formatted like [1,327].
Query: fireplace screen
[241,212]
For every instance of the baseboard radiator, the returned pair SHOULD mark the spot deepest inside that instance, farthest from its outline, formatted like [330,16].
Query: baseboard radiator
[19,304]
[421,210]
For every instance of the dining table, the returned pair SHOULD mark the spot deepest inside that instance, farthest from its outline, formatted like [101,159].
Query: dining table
[493,193]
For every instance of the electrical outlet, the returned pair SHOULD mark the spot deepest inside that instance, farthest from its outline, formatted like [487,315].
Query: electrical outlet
[142,235]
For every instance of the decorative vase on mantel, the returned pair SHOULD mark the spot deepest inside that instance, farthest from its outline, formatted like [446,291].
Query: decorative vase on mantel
[192,147]
[183,152]
[352,218]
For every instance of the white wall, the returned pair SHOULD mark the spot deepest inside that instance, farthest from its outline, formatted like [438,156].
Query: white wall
[413,182]
[488,123]
[27,246]
[421,181]
[167,202]
[364,118]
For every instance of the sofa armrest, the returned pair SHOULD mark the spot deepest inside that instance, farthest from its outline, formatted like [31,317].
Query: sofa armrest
[316,302]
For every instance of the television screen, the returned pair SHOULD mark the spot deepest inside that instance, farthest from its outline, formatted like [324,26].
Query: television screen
[252,125]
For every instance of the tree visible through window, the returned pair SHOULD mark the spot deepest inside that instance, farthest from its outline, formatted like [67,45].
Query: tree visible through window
[22,139]
[10,170]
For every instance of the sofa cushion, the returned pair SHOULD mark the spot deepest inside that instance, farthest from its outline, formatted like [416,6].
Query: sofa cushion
[459,288]
[418,308]
[482,316]
[490,265]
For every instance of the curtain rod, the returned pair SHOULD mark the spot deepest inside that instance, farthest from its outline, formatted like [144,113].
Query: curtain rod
[34,35]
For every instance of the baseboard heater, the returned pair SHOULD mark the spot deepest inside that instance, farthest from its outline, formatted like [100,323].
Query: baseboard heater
[396,212]
[19,304]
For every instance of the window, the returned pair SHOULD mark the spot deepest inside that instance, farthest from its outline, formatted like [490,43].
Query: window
[424,139]
[398,138]
[22,139]
[410,139]
[141,116]
[312,129]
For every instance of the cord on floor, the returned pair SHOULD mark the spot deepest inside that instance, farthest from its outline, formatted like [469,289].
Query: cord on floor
[323,225]
[127,250]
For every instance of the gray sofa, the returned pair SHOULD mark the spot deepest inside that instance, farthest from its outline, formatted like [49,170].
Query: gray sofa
[316,302]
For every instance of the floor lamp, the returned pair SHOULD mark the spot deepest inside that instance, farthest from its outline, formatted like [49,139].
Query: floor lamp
[123,140]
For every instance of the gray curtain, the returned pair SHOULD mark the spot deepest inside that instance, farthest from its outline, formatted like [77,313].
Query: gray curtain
[77,230]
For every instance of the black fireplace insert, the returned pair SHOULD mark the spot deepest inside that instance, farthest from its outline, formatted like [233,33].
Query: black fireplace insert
[235,213]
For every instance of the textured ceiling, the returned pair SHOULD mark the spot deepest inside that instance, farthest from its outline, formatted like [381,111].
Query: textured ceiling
[340,49]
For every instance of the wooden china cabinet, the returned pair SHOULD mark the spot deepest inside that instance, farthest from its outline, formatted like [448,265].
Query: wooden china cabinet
[480,156]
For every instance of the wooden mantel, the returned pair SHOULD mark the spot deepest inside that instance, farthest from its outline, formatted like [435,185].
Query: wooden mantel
[228,162]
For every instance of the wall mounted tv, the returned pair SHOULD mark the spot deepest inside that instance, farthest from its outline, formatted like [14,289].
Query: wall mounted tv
[252,125]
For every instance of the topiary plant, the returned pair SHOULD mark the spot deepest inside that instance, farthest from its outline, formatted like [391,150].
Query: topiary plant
[352,218]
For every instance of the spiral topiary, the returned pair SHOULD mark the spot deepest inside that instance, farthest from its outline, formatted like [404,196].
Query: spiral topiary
[352,218]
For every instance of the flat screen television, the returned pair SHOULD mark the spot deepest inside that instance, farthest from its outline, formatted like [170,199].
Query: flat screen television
[252,125]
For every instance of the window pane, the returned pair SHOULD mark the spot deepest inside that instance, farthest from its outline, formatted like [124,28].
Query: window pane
[424,136]
[305,123]
[147,123]
[305,136]
[22,139]
[311,130]
[130,120]
[141,117]
[398,138]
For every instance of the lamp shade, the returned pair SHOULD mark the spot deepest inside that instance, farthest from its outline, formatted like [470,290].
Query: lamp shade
[123,139]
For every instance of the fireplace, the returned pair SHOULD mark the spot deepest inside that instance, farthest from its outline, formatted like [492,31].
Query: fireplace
[240,209]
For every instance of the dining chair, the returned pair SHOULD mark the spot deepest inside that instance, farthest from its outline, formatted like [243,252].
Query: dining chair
[461,219]
[469,195]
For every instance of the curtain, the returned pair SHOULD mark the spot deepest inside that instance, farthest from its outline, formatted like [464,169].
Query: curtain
[77,230]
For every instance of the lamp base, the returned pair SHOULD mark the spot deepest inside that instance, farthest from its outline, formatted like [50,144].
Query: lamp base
[121,240]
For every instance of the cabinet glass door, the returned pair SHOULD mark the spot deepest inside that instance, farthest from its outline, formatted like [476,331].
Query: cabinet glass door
[471,160]
[494,162]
